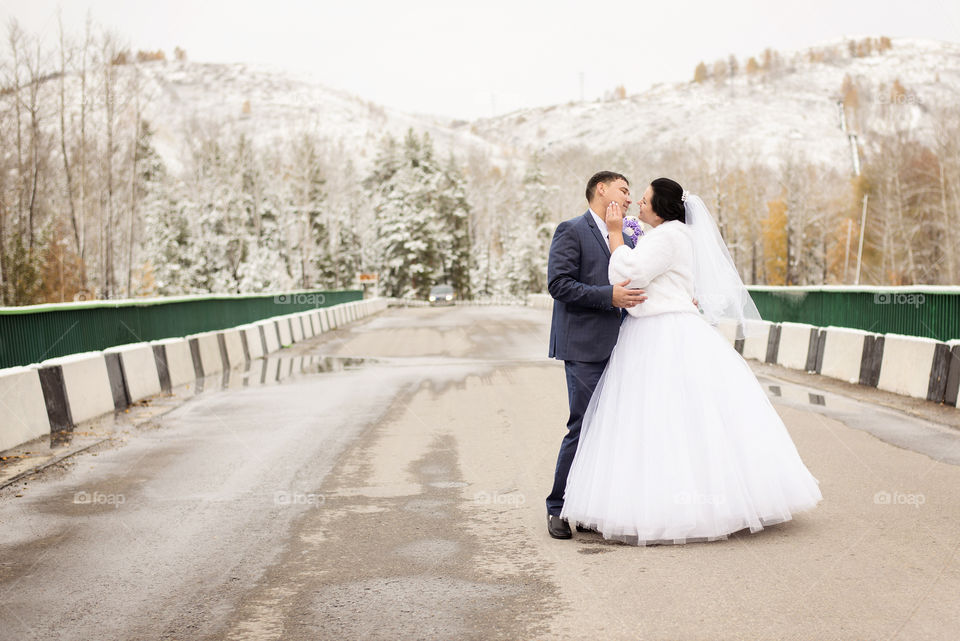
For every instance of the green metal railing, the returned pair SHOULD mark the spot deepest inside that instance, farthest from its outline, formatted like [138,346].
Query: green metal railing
[930,311]
[34,333]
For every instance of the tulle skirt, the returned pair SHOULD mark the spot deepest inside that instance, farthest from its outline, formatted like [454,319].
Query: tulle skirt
[680,443]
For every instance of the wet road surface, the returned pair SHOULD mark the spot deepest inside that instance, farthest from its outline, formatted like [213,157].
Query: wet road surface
[390,485]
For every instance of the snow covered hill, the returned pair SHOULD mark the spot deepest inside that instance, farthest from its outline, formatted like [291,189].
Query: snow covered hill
[763,116]
[790,110]
[268,103]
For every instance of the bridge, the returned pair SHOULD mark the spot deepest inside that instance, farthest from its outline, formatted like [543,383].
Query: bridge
[377,470]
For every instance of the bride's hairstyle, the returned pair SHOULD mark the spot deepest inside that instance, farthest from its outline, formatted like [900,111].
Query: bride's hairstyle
[667,201]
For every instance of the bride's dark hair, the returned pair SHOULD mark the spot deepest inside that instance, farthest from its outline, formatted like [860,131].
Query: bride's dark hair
[667,201]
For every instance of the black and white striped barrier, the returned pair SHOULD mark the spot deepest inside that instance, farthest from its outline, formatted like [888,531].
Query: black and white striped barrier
[909,365]
[60,393]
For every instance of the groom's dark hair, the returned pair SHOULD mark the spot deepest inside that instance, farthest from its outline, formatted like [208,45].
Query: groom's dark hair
[602,177]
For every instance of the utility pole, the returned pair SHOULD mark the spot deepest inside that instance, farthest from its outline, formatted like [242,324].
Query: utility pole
[863,224]
[846,251]
[855,158]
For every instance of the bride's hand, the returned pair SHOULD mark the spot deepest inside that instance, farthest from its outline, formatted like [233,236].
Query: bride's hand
[614,218]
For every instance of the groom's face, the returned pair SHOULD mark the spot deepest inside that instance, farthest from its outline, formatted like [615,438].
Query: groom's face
[617,191]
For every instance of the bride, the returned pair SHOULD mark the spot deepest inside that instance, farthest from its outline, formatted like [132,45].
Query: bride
[679,442]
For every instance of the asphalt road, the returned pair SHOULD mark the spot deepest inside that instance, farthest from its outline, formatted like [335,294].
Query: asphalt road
[400,495]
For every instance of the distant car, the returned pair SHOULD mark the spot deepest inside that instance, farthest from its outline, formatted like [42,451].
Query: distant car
[441,295]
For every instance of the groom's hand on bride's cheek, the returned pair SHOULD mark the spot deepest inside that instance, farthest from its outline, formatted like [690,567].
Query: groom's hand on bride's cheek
[627,298]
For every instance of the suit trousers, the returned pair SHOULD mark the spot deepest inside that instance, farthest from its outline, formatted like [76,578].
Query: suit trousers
[582,379]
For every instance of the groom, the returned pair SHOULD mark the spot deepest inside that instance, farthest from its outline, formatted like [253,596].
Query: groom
[586,315]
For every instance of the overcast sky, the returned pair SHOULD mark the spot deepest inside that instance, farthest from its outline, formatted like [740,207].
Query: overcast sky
[469,60]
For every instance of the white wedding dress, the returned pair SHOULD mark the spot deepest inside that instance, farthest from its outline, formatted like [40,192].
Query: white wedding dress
[679,442]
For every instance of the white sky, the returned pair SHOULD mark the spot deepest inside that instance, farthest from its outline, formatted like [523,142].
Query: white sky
[469,60]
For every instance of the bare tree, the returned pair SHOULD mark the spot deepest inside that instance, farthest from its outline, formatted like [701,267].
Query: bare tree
[75,218]
[82,197]
[135,91]
[35,78]
[109,50]
[15,39]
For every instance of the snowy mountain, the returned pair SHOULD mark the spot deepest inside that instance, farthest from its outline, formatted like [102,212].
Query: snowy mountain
[791,108]
[788,109]
[269,104]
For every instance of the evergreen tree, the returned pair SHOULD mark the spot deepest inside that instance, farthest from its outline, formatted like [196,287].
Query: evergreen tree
[454,210]
[167,234]
[415,243]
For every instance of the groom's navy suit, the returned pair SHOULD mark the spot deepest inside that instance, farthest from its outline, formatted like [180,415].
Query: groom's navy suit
[585,325]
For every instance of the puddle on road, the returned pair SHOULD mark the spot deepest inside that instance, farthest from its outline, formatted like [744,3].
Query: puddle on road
[812,398]
[890,425]
[279,369]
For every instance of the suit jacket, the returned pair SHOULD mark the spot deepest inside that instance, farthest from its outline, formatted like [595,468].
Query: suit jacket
[585,323]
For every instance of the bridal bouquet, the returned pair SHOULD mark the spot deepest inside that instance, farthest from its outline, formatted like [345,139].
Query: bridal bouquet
[631,227]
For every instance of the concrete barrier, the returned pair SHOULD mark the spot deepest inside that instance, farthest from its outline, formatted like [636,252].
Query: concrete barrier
[910,366]
[22,405]
[233,343]
[842,353]
[268,330]
[284,331]
[796,341]
[254,341]
[179,360]
[79,387]
[727,329]
[60,393]
[952,391]
[207,357]
[296,327]
[139,368]
[757,341]
[307,319]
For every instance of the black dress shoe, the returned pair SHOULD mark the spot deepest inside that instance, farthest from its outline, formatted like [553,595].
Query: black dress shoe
[584,528]
[558,528]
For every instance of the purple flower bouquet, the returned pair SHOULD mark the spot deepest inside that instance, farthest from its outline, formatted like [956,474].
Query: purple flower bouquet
[631,227]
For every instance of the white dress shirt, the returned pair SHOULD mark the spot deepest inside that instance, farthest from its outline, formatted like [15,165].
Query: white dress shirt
[662,265]
[602,224]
